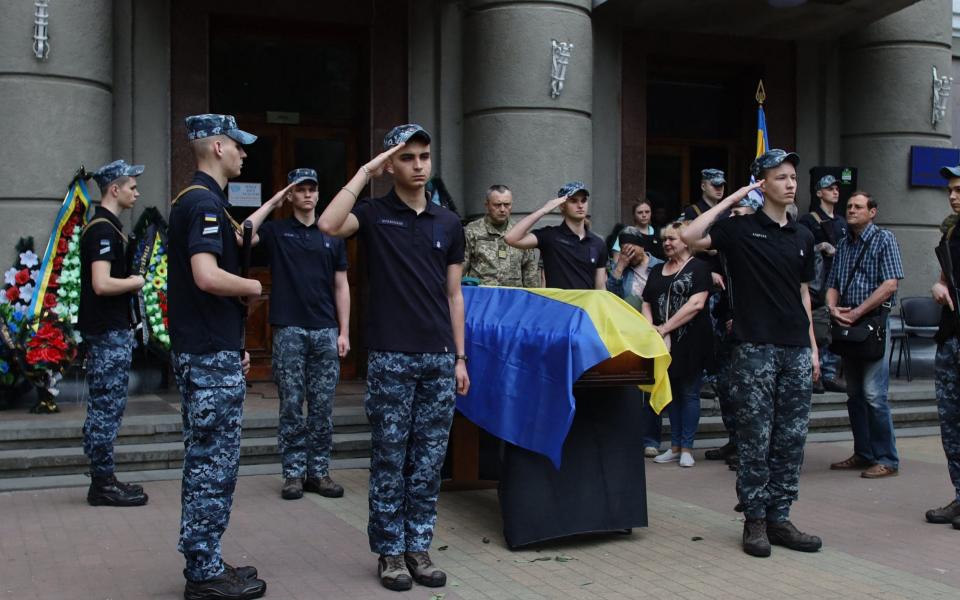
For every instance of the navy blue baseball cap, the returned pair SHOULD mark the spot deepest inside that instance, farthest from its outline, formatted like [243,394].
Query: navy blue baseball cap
[572,187]
[949,172]
[772,159]
[714,176]
[403,133]
[109,173]
[298,175]
[826,181]
[206,125]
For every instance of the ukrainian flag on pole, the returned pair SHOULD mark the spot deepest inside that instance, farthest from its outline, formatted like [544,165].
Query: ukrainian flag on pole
[763,142]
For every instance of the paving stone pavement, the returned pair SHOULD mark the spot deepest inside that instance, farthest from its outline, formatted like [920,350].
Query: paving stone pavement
[52,545]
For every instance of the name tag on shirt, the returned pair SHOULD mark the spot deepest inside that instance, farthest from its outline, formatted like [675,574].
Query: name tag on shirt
[391,222]
[210,230]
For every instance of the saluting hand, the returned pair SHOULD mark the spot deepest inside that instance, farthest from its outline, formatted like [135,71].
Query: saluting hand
[280,197]
[555,203]
[740,194]
[375,167]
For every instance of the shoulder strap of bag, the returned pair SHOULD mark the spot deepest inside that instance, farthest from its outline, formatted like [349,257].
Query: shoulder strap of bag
[827,231]
[856,265]
[102,220]
[697,210]
[233,222]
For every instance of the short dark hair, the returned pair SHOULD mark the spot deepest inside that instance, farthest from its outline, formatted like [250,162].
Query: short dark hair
[640,201]
[498,188]
[871,203]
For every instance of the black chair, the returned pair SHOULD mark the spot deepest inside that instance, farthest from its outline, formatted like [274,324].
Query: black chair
[919,318]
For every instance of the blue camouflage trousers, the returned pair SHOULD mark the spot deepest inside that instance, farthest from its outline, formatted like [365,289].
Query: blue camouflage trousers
[947,384]
[771,385]
[212,389]
[722,385]
[410,401]
[108,373]
[305,366]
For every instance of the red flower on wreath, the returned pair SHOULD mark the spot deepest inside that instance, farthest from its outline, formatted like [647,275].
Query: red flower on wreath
[58,263]
[13,292]
[54,281]
[62,246]
[49,300]
[22,276]
[68,229]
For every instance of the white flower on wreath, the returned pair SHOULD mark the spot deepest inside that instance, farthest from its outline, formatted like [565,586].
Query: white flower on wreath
[26,292]
[10,276]
[29,259]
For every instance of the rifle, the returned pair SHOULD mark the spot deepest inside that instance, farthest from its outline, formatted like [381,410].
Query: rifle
[245,250]
[946,266]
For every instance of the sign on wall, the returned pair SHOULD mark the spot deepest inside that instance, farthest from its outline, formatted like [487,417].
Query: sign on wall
[244,194]
[925,164]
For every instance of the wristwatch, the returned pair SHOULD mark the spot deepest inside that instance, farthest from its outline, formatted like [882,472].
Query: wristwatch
[462,357]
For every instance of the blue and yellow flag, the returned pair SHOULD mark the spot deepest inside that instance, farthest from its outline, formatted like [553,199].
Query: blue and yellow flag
[527,347]
[763,143]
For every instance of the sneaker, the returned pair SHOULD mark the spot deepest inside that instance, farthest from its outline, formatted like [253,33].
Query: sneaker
[755,541]
[668,456]
[105,490]
[879,471]
[854,462]
[832,385]
[787,535]
[722,452]
[292,488]
[227,586]
[324,486]
[423,570]
[686,459]
[651,452]
[944,514]
[242,572]
[393,573]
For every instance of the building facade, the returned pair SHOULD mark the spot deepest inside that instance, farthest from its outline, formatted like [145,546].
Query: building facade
[652,91]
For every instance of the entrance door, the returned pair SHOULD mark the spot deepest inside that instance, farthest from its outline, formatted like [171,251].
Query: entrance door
[673,172]
[278,150]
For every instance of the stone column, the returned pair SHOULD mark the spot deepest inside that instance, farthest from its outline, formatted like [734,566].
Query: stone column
[514,132]
[57,114]
[886,79]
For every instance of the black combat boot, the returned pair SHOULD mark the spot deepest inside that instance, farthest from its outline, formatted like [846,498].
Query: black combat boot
[105,490]
[226,586]
[324,486]
[755,542]
[787,535]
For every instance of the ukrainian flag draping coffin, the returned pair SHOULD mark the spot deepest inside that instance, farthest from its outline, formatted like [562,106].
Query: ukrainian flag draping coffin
[527,347]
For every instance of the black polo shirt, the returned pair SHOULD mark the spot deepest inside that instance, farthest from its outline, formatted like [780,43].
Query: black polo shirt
[201,323]
[101,241]
[829,229]
[407,258]
[767,263]
[691,213]
[570,263]
[302,265]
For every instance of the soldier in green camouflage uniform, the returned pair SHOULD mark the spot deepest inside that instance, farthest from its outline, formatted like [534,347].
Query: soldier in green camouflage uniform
[947,363]
[488,257]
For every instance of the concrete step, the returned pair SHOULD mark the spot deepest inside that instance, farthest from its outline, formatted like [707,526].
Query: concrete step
[23,462]
[142,429]
[39,482]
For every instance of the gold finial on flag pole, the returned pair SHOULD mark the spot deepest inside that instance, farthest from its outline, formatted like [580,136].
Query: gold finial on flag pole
[761,93]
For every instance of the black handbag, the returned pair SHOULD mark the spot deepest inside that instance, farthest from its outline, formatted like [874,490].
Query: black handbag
[867,338]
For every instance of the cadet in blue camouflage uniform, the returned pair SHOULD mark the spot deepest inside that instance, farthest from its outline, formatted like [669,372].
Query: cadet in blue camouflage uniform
[104,321]
[310,315]
[770,262]
[206,323]
[416,340]
[947,362]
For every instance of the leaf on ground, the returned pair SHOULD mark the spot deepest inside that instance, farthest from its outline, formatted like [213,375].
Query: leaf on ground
[485,540]
[586,584]
[442,548]
[563,558]
[696,538]
[438,596]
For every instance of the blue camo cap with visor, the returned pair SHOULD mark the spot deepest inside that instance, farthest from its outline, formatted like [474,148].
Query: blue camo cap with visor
[299,175]
[403,133]
[950,172]
[714,177]
[752,200]
[772,159]
[202,126]
[109,173]
[572,187]
[826,181]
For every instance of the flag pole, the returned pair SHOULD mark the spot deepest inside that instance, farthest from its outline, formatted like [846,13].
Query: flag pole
[761,95]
